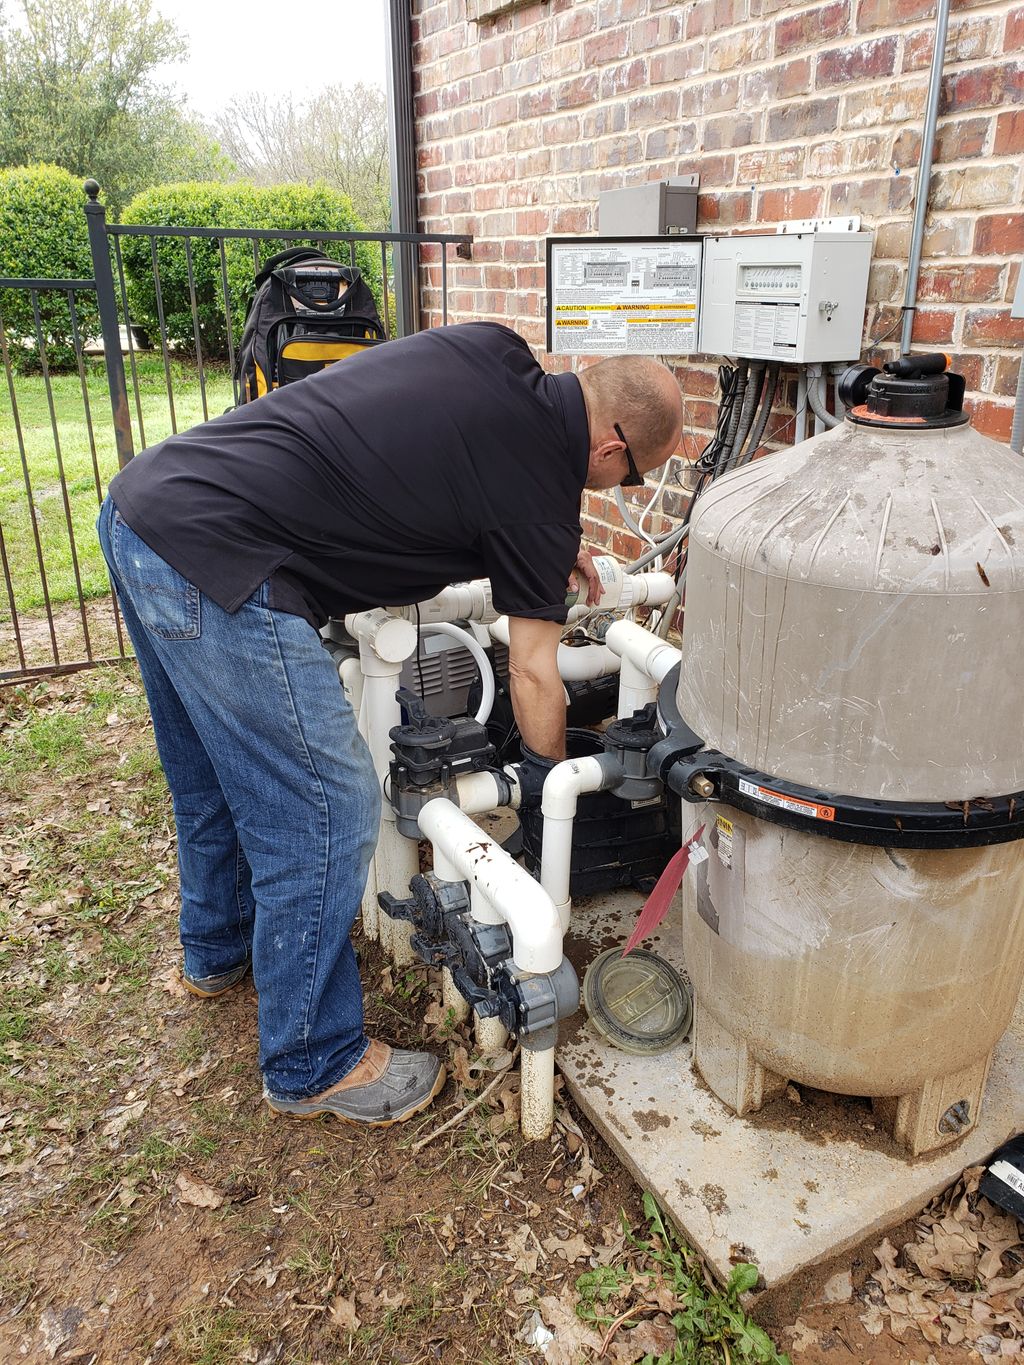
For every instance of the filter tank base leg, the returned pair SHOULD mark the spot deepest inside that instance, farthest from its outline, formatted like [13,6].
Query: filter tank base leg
[941,1112]
[729,1067]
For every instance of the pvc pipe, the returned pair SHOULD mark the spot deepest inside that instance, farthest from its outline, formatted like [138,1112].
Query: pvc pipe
[478,793]
[479,658]
[522,904]
[562,789]
[491,1036]
[644,651]
[458,602]
[537,1093]
[351,676]
[924,173]
[454,1003]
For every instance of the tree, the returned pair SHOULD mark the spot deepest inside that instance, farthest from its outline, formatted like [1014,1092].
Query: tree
[77,88]
[339,137]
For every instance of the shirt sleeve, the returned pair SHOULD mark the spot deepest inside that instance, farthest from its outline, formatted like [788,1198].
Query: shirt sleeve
[529,566]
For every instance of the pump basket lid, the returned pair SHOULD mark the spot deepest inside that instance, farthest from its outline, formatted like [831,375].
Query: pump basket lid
[638,1002]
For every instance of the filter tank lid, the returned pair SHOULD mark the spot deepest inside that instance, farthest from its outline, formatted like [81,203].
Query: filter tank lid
[638,1002]
[913,391]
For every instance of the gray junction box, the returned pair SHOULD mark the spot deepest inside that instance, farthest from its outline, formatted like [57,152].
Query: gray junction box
[657,209]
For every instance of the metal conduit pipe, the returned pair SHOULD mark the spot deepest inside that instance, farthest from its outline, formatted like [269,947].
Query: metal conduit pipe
[742,370]
[816,396]
[770,388]
[924,172]
[1017,430]
[755,381]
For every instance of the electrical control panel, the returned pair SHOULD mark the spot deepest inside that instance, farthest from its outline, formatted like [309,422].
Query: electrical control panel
[793,296]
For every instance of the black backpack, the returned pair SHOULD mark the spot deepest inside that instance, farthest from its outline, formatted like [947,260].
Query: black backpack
[307,312]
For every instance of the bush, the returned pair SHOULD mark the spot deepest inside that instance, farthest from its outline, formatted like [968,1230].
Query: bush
[43,235]
[302,208]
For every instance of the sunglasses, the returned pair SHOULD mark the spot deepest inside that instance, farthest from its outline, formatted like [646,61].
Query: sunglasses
[634,478]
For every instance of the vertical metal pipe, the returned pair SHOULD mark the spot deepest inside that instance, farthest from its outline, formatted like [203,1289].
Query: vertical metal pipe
[227,318]
[163,334]
[195,326]
[924,173]
[96,220]
[402,147]
[384,290]
[444,284]
[131,339]
[55,430]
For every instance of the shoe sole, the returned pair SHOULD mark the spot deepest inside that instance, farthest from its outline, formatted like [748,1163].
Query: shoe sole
[438,1086]
[209,995]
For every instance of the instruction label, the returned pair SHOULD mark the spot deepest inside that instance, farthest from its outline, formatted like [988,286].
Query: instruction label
[609,297]
[809,808]
[766,329]
[725,831]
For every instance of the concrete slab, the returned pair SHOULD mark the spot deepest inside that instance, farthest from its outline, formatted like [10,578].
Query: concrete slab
[788,1188]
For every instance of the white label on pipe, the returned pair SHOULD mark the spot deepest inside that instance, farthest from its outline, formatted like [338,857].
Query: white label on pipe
[1009,1175]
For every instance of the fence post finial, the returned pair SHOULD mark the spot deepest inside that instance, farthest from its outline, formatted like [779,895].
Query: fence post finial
[92,189]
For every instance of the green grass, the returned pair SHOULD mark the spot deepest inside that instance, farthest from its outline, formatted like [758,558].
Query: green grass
[80,474]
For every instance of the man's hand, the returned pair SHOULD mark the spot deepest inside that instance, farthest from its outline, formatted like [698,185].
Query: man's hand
[538,697]
[585,566]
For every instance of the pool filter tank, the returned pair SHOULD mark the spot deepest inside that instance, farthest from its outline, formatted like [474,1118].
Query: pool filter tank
[848,699]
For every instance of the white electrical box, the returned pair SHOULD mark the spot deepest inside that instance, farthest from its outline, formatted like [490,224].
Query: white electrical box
[789,297]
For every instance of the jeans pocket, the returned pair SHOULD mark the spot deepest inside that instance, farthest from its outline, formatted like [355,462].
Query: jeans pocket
[166,602]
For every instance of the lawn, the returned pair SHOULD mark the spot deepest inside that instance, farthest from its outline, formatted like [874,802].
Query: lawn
[85,476]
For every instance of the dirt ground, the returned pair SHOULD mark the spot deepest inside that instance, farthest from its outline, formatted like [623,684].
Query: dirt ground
[153,1210]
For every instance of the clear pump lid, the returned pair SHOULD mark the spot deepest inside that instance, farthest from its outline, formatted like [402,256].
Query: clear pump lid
[638,1002]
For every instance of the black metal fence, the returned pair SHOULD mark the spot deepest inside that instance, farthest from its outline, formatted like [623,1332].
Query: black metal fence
[77,413]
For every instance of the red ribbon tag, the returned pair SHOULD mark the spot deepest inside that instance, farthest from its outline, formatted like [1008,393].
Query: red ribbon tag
[660,898]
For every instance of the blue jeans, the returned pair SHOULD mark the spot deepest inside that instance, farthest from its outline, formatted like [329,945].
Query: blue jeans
[275,801]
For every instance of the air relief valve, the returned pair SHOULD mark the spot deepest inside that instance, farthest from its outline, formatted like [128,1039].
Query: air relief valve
[877,624]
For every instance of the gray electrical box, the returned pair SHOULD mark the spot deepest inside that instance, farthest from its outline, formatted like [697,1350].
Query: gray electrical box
[1017,307]
[657,209]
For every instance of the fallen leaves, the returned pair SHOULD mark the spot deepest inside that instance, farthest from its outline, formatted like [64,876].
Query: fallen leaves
[121,1116]
[343,1313]
[951,1283]
[192,1190]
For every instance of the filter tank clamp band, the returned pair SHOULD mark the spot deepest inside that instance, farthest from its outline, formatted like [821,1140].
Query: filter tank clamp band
[699,774]
[915,391]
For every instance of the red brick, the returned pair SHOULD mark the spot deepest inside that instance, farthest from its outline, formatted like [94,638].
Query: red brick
[717,170]
[891,13]
[574,23]
[711,16]
[605,119]
[678,63]
[775,206]
[647,110]
[657,31]
[948,237]
[781,81]
[581,90]
[1006,378]
[1013,39]
[1001,234]
[730,131]
[884,105]
[863,61]
[933,325]
[1010,134]
[960,283]
[991,418]
[619,80]
[992,327]
[733,51]
[984,87]
[572,219]
[969,40]
[716,97]
[604,47]
[768,164]
[892,241]
[869,196]
[811,28]
[674,141]
[722,210]
[788,122]
[980,186]
[884,282]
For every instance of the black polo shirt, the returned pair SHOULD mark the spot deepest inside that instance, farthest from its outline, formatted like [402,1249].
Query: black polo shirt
[445,456]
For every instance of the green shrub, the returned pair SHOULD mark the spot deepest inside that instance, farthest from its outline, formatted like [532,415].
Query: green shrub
[303,208]
[43,235]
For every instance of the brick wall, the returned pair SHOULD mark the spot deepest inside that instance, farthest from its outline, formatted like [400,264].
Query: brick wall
[785,109]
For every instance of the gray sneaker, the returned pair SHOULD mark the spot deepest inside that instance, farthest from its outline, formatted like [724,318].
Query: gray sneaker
[206,987]
[408,1084]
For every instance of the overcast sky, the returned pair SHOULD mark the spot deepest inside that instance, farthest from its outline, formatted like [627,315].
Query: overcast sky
[237,45]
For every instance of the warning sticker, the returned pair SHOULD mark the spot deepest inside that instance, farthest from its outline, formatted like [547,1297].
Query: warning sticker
[724,828]
[809,808]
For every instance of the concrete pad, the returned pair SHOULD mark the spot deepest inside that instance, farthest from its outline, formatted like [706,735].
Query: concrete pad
[787,1188]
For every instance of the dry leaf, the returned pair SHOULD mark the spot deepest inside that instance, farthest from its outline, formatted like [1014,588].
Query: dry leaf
[575,1248]
[121,1116]
[573,1338]
[194,1191]
[343,1313]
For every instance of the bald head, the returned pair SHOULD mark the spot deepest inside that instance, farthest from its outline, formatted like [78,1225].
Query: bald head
[643,398]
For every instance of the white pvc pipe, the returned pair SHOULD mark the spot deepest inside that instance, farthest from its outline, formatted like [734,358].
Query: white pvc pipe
[351,676]
[562,787]
[537,1093]
[479,658]
[454,1003]
[522,904]
[478,793]
[491,1035]
[646,651]
[458,602]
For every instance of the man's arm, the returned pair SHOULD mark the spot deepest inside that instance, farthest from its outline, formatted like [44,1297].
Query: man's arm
[538,697]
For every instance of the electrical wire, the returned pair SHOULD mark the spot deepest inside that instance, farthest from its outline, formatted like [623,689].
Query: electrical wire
[770,389]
